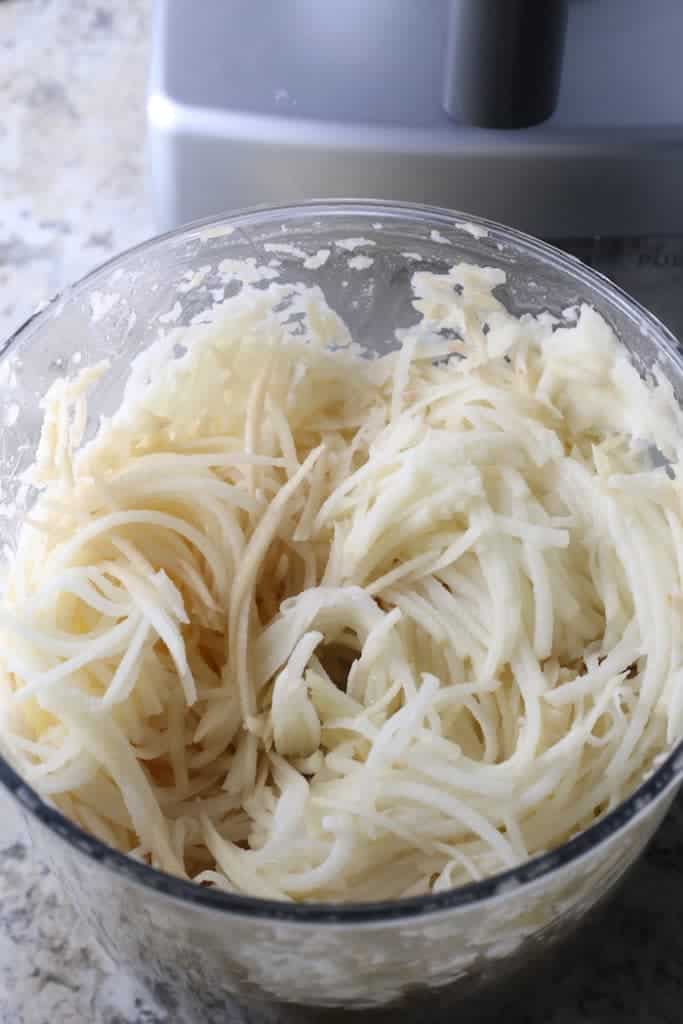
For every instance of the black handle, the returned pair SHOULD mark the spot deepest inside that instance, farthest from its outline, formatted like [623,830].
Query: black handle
[503,61]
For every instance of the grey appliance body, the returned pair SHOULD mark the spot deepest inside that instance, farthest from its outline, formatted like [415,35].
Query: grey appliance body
[255,101]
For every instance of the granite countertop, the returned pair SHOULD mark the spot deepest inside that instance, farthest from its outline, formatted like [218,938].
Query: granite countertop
[72,123]
[71,194]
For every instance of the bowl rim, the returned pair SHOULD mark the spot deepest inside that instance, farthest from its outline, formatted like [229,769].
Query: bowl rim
[664,777]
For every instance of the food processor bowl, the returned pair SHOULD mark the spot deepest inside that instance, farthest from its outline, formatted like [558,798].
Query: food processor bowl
[282,961]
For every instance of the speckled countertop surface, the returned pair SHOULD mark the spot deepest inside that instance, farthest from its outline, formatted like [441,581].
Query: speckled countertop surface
[71,194]
[72,79]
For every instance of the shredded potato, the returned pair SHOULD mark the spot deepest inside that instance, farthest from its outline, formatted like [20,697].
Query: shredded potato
[311,626]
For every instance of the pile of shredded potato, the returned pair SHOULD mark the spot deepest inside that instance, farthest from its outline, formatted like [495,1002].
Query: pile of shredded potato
[312,626]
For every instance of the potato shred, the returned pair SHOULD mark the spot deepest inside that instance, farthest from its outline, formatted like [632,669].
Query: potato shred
[307,625]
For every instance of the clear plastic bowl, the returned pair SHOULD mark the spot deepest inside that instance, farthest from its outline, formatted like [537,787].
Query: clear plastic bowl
[272,960]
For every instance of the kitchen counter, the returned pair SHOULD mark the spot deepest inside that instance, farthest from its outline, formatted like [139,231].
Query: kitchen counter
[72,194]
[72,184]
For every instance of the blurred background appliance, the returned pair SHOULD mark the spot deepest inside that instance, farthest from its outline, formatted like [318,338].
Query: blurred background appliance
[563,118]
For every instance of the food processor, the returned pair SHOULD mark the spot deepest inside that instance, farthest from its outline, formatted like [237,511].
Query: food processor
[562,118]
[573,131]
[247,960]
